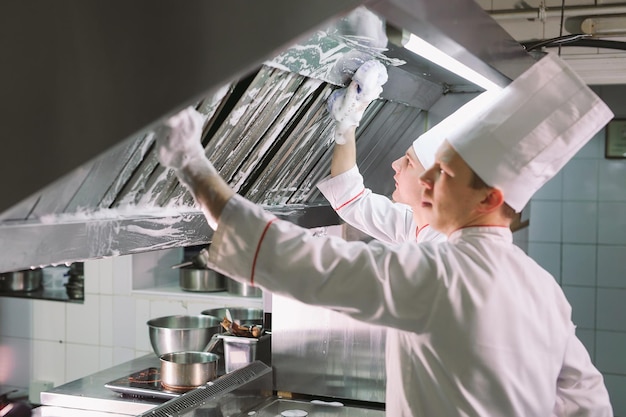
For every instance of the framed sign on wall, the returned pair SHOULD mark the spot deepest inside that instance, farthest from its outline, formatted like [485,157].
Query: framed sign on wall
[615,146]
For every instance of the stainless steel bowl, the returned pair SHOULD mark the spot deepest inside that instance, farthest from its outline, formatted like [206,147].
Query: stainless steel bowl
[182,333]
[201,280]
[242,315]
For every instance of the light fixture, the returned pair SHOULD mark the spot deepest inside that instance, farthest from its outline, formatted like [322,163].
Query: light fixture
[421,47]
[607,25]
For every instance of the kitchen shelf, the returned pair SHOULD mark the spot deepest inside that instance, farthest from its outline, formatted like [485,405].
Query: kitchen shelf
[170,291]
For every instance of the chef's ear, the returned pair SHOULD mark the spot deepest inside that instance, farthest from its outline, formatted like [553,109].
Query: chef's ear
[493,199]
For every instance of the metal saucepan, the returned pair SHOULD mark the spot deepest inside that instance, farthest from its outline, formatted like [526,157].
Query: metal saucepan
[198,261]
[201,280]
[244,290]
[183,371]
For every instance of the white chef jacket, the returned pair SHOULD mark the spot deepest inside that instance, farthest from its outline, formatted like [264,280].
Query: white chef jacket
[373,214]
[490,329]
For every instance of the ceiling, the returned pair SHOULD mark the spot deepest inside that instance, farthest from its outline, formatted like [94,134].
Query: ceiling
[535,20]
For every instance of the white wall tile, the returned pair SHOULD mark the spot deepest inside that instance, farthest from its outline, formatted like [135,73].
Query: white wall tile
[15,317]
[616,385]
[83,322]
[81,360]
[122,274]
[106,357]
[106,318]
[142,315]
[612,266]
[105,279]
[610,348]
[612,185]
[124,319]
[552,190]
[548,255]
[91,269]
[580,180]
[579,222]
[121,355]
[611,312]
[49,320]
[15,361]
[162,308]
[612,223]
[92,286]
[49,361]
[545,221]
[583,302]
[579,265]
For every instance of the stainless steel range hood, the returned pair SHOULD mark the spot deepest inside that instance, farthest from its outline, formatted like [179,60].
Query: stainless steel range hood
[90,80]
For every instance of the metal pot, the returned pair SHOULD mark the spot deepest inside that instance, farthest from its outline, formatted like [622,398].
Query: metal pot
[24,281]
[242,315]
[244,290]
[201,280]
[183,371]
[182,333]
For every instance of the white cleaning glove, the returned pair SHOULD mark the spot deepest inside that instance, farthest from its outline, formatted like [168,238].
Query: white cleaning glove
[179,139]
[179,147]
[347,105]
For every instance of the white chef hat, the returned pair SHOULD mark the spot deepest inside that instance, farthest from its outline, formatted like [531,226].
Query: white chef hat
[534,127]
[426,145]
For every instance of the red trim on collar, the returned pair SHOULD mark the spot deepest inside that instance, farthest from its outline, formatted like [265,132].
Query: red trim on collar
[351,200]
[419,229]
[258,248]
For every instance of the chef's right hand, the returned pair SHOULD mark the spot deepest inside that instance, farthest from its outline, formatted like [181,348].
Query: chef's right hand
[179,139]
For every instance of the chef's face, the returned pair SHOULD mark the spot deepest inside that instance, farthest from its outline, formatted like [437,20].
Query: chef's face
[408,188]
[448,196]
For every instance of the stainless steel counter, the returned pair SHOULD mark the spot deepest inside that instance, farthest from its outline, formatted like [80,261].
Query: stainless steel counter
[276,407]
[89,393]
[88,397]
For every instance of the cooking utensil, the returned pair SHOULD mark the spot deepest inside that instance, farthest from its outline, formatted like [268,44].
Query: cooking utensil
[240,315]
[201,280]
[21,281]
[183,371]
[182,333]
[200,260]
[244,290]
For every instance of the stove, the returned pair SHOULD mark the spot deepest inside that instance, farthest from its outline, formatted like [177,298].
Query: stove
[144,383]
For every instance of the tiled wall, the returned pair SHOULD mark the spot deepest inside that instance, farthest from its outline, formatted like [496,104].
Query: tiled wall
[578,233]
[59,342]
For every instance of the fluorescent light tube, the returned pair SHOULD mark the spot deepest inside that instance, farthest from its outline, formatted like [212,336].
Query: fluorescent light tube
[426,50]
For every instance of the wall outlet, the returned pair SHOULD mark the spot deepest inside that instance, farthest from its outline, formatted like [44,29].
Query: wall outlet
[36,388]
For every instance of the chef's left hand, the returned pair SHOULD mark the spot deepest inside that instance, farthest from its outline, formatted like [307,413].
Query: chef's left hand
[179,139]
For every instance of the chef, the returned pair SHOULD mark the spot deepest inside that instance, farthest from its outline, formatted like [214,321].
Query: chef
[491,330]
[375,214]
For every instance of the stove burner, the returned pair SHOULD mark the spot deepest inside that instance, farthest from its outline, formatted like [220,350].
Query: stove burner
[147,376]
[144,383]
